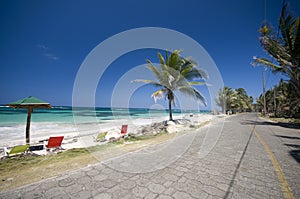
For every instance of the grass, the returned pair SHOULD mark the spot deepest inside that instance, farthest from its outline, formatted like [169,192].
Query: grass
[285,122]
[18,171]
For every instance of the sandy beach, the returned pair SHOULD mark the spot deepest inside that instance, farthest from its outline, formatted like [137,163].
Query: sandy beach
[84,135]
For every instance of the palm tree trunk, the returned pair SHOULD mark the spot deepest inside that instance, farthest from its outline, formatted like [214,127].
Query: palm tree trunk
[170,98]
[170,110]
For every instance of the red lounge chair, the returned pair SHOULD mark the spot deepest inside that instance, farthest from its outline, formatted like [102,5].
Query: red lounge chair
[54,142]
[124,130]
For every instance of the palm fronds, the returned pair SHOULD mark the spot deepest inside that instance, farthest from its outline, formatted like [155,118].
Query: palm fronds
[174,73]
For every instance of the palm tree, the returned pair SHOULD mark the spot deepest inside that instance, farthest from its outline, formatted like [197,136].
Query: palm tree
[175,73]
[225,99]
[285,50]
[236,100]
[243,100]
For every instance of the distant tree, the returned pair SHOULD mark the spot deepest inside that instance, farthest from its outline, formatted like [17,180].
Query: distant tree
[236,100]
[175,73]
[243,100]
[279,100]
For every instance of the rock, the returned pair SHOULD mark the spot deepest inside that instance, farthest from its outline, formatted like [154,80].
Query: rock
[113,134]
[171,123]
[9,179]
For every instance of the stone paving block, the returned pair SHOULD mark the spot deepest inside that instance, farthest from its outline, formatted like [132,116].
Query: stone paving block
[100,177]
[142,181]
[170,177]
[156,188]
[118,192]
[117,177]
[83,180]
[82,195]
[181,195]
[108,183]
[212,190]
[104,196]
[74,188]
[168,184]
[78,174]
[50,184]
[128,184]
[53,192]
[151,196]
[164,197]
[170,191]
[140,192]
[32,195]
[92,172]
[65,181]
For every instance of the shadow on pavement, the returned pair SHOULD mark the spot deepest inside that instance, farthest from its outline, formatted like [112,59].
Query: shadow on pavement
[288,137]
[293,145]
[282,124]
[296,155]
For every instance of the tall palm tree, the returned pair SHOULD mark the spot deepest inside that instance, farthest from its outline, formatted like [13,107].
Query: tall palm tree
[285,49]
[175,73]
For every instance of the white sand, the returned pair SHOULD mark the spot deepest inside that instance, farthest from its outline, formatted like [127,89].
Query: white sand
[84,135]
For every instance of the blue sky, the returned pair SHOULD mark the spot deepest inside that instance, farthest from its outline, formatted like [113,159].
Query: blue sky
[43,43]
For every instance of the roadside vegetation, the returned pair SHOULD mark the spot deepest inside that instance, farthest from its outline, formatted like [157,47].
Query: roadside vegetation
[283,46]
[234,100]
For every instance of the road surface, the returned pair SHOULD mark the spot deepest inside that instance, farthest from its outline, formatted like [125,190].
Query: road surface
[240,156]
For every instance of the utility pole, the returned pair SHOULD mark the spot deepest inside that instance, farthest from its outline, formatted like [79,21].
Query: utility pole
[275,101]
[264,91]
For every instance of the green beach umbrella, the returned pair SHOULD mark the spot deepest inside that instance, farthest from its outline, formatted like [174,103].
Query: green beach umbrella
[30,103]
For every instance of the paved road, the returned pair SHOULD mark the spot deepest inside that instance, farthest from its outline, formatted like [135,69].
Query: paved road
[250,158]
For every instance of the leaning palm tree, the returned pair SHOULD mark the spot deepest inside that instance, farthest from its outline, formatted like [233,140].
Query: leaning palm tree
[285,49]
[175,73]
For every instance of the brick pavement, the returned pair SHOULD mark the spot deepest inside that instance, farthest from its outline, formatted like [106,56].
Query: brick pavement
[236,167]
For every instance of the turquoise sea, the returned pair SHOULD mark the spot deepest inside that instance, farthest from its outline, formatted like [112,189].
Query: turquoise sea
[65,114]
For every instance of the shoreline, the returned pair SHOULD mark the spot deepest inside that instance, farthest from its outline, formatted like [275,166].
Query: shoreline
[84,135]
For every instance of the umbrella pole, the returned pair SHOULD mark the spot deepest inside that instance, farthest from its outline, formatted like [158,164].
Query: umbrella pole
[30,109]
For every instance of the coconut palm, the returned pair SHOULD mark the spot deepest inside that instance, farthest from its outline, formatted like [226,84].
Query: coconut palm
[285,49]
[226,98]
[244,101]
[175,73]
[236,100]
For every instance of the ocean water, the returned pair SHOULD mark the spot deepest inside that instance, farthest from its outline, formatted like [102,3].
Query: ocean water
[66,119]
[66,114]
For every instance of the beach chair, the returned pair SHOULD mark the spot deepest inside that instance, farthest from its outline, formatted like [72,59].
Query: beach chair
[54,143]
[17,149]
[123,130]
